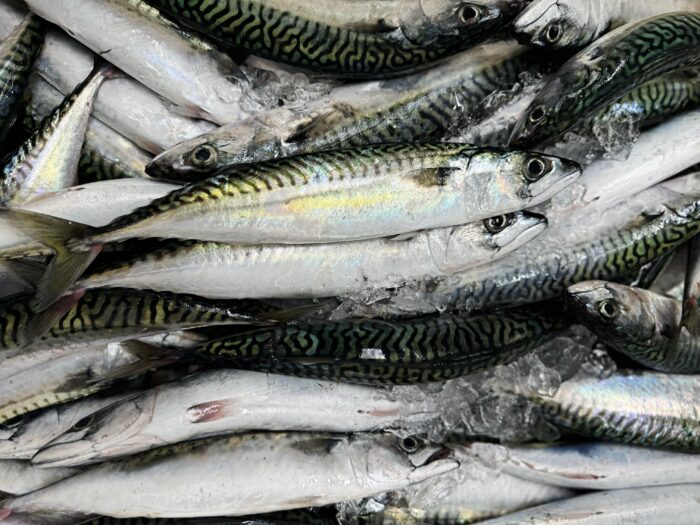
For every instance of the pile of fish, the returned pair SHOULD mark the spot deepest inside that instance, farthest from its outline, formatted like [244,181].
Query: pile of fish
[350,261]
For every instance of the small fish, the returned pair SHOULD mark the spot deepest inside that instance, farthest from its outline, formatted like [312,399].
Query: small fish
[27,436]
[246,474]
[596,76]
[417,108]
[671,505]
[224,402]
[451,27]
[638,408]
[641,324]
[48,160]
[19,477]
[326,197]
[17,54]
[381,352]
[556,24]
[229,271]
[592,466]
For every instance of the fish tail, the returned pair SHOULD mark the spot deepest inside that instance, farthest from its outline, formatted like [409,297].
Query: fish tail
[41,323]
[150,357]
[106,69]
[68,240]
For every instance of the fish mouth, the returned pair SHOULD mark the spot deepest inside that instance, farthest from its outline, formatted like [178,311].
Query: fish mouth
[439,462]
[66,455]
[583,297]
[170,167]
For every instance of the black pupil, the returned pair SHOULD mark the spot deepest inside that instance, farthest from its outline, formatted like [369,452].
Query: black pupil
[608,308]
[553,32]
[498,222]
[409,443]
[469,13]
[535,168]
[537,114]
[202,154]
[83,423]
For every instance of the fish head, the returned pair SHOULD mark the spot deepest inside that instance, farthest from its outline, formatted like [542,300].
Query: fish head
[612,310]
[550,112]
[441,22]
[514,180]
[553,24]
[455,249]
[24,436]
[386,460]
[111,432]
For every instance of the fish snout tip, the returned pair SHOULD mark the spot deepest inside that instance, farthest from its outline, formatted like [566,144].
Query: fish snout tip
[64,455]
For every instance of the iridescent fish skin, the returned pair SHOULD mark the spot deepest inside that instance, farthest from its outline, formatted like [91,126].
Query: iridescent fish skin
[227,271]
[617,63]
[556,24]
[452,26]
[643,408]
[17,54]
[247,474]
[641,324]
[382,352]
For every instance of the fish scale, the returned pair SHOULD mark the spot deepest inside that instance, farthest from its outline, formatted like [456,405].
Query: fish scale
[379,352]
[17,54]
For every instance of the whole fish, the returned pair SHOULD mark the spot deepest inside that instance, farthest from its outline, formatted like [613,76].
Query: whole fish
[106,154]
[381,352]
[281,34]
[193,75]
[639,408]
[417,108]
[575,23]
[48,160]
[224,402]
[246,474]
[17,54]
[611,244]
[326,197]
[19,477]
[44,378]
[672,505]
[115,314]
[613,65]
[228,271]
[32,433]
[641,324]
[592,466]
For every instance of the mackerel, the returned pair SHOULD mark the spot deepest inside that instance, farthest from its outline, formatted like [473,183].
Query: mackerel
[643,325]
[575,23]
[17,54]
[228,271]
[638,408]
[246,474]
[617,63]
[19,477]
[592,466]
[224,402]
[450,27]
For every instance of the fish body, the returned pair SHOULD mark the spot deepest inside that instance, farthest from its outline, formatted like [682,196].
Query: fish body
[645,408]
[219,270]
[375,352]
[671,505]
[224,402]
[416,108]
[17,54]
[192,74]
[558,24]
[617,63]
[286,36]
[47,161]
[246,474]
[19,477]
[643,325]
[593,466]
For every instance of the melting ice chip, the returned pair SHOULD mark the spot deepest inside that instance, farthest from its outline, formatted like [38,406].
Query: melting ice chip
[372,353]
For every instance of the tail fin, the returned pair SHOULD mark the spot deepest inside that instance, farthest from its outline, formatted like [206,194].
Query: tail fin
[66,266]
[42,322]
[150,357]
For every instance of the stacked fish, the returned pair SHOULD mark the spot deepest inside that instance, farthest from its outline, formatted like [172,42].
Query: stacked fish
[264,261]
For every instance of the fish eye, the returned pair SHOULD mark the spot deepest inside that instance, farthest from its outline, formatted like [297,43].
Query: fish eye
[83,423]
[498,224]
[537,114]
[535,169]
[553,33]
[410,444]
[203,155]
[608,309]
[468,14]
